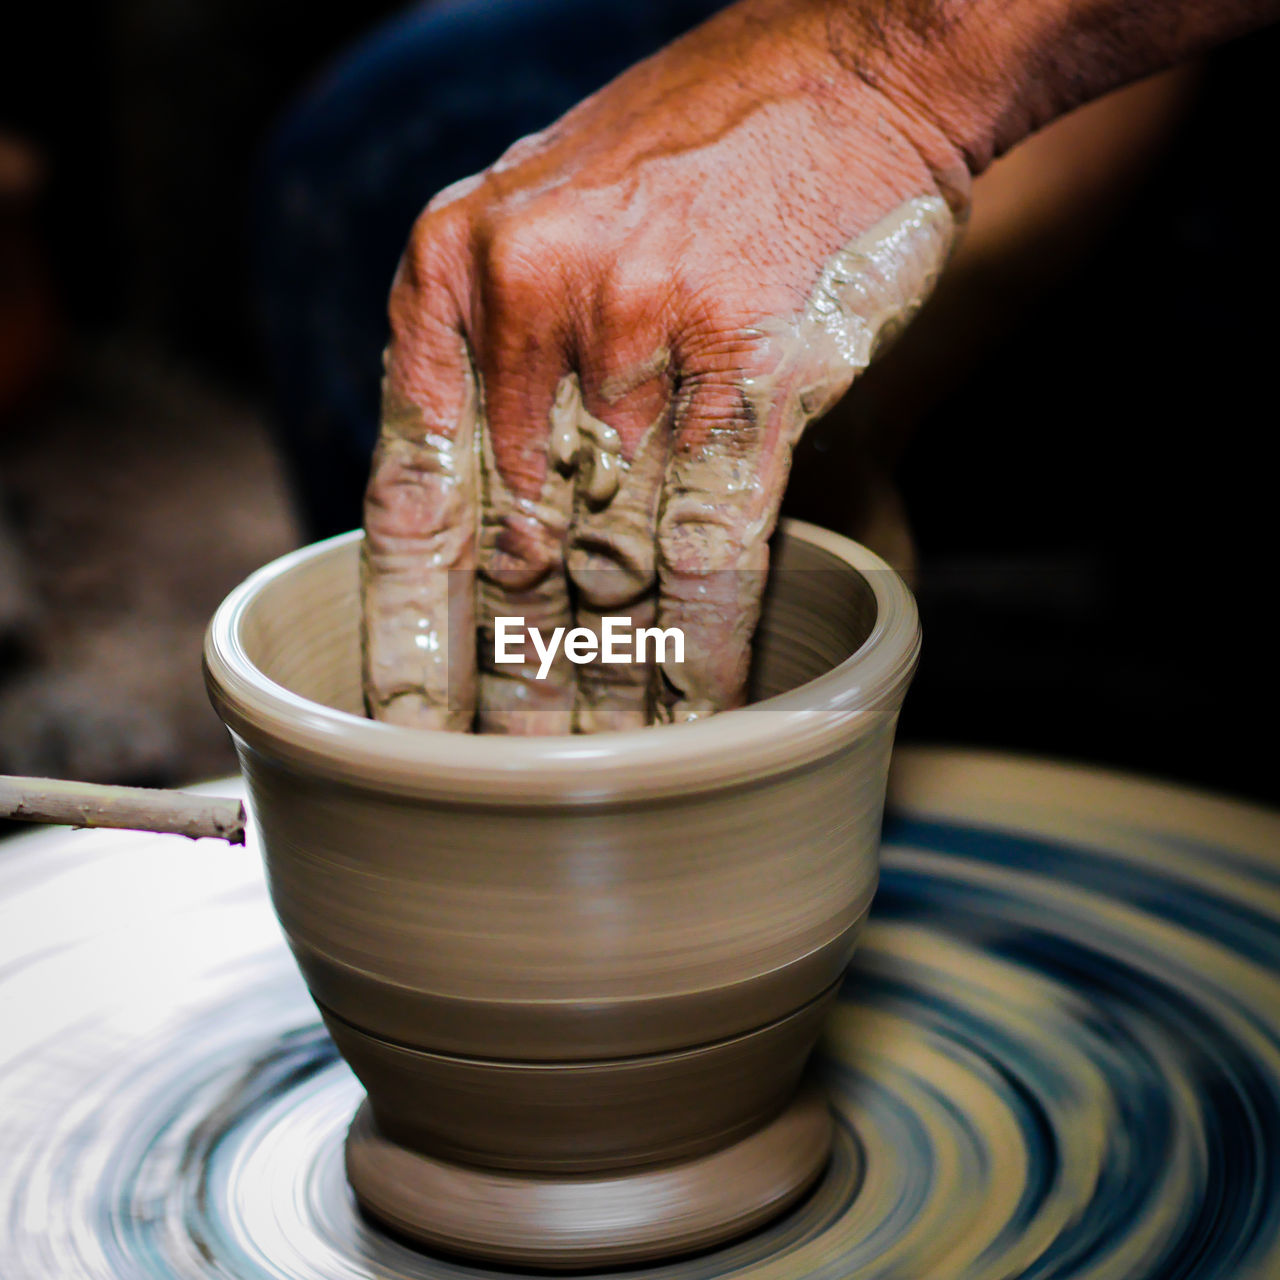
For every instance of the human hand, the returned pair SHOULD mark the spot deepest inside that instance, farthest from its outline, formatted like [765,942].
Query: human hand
[603,351]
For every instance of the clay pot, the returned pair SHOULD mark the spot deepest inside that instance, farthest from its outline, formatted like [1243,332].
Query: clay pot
[578,976]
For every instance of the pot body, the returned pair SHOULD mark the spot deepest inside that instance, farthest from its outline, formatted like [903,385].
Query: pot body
[549,962]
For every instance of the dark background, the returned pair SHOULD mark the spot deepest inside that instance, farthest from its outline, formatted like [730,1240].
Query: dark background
[1093,505]
[1096,510]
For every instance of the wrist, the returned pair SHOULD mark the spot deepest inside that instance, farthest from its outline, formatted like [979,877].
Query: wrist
[987,73]
[978,76]
[931,70]
[821,50]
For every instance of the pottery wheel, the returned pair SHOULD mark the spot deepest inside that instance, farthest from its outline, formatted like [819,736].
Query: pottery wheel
[1057,1055]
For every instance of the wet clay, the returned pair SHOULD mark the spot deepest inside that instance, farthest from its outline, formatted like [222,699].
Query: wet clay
[584,548]
[677,534]
[722,496]
[610,562]
[564,967]
[417,603]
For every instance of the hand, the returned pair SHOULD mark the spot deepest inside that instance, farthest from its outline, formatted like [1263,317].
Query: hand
[603,351]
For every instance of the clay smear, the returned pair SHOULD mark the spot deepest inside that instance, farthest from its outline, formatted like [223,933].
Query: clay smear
[587,549]
[521,542]
[722,496]
[417,602]
[604,531]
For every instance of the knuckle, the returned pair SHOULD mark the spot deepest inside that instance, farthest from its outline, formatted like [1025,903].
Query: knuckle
[636,292]
[523,251]
[429,288]
[716,401]
[454,193]
[696,540]
[521,551]
[612,570]
[717,341]
[523,149]
[437,250]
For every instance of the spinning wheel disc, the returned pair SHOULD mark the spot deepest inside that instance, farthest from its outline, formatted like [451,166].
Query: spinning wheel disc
[1057,1055]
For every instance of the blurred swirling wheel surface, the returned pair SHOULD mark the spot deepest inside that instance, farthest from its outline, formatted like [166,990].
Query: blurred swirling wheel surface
[1057,1055]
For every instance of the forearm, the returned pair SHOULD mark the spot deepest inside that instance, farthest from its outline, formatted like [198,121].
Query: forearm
[971,78]
[990,72]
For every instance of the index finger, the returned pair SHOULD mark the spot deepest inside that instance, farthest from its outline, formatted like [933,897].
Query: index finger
[419,555]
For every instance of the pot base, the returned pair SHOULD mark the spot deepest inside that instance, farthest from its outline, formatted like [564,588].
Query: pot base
[581,1221]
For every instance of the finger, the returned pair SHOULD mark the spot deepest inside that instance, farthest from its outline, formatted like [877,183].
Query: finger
[418,557]
[720,501]
[623,440]
[526,504]
[745,399]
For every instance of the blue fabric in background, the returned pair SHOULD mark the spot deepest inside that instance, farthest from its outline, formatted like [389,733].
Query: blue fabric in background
[428,98]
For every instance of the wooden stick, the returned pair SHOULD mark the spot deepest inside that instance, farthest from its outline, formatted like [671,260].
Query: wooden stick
[85,804]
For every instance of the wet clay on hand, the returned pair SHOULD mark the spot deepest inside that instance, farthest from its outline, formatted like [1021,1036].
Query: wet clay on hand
[609,534]
[722,494]
[603,351]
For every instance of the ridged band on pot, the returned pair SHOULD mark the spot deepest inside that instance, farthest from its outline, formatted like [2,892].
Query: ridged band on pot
[574,1117]
[570,898]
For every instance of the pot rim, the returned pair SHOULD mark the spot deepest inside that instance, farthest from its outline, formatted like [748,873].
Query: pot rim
[734,747]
